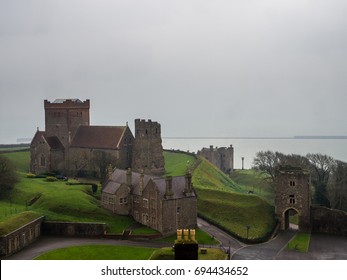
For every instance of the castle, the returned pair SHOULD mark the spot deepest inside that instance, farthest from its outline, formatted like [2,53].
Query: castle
[133,186]
[222,157]
[70,145]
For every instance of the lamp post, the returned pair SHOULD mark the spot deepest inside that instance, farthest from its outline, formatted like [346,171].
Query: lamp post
[243,159]
[248,227]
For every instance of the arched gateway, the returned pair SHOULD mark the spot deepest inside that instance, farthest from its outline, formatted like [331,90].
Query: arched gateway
[292,189]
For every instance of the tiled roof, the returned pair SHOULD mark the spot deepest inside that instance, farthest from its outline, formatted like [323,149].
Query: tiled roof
[98,137]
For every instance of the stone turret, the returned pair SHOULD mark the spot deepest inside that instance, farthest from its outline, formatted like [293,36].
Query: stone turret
[147,149]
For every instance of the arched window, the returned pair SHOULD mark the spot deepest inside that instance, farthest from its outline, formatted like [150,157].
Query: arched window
[43,160]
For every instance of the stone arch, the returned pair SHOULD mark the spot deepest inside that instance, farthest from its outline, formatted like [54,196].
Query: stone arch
[286,216]
[292,193]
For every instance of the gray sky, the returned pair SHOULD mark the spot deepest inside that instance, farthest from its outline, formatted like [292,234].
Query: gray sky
[199,67]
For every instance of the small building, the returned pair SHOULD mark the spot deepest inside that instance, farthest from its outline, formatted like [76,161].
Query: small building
[21,237]
[163,204]
[222,157]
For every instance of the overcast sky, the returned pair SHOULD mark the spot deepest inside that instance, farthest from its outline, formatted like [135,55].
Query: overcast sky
[200,68]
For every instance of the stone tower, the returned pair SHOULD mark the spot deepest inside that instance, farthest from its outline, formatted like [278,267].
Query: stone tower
[147,149]
[292,194]
[64,116]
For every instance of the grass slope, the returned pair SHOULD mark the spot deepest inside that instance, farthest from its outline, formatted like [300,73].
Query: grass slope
[256,182]
[176,164]
[223,201]
[56,200]
[17,221]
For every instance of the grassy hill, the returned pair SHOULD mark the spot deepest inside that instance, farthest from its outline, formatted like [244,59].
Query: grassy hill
[225,202]
[176,164]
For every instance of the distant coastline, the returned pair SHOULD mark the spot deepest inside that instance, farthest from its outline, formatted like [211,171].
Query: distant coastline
[328,137]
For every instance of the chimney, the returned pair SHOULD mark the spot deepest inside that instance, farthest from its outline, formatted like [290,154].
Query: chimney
[109,171]
[168,190]
[129,177]
[188,185]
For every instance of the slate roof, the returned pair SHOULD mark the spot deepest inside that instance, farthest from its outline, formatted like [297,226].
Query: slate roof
[119,177]
[37,137]
[178,185]
[98,137]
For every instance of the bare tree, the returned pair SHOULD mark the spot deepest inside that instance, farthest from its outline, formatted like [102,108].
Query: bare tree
[267,162]
[337,186]
[102,161]
[321,167]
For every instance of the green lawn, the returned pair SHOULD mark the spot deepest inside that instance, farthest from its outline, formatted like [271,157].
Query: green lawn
[98,252]
[168,254]
[300,242]
[17,221]
[176,164]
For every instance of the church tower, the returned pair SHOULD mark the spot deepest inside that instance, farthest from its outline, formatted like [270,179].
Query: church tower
[147,150]
[64,116]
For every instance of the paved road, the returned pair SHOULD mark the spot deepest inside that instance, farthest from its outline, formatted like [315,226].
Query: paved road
[324,247]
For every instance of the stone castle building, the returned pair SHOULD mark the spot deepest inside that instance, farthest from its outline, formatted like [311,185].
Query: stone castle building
[164,204]
[292,195]
[69,144]
[222,157]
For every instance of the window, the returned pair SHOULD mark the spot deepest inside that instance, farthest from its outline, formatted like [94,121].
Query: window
[123,200]
[137,216]
[291,199]
[145,203]
[292,183]
[145,219]
[178,210]
[43,160]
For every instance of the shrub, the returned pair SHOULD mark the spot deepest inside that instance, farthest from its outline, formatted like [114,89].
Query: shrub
[51,179]
[30,175]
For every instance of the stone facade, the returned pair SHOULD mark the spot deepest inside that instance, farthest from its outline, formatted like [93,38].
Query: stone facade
[222,157]
[20,238]
[163,204]
[292,194]
[148,150]
[69,144]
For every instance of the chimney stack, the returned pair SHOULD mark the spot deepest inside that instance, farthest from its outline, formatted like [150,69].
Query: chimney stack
[168,190]
[129,177]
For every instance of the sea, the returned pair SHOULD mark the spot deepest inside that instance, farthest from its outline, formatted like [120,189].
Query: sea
[248,147]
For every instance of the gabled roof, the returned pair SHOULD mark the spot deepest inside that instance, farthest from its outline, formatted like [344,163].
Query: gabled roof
[98,137]
[37,137]
[52,141]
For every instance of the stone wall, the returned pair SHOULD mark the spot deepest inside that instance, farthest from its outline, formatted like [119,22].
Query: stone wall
[74,229]
[329,221]
[20,238]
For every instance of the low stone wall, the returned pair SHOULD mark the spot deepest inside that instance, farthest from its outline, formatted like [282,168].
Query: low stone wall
[20,238]
[326,220]
[74,229]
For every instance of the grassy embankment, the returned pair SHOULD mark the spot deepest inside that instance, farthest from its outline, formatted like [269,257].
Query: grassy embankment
[56,200]
[227,204]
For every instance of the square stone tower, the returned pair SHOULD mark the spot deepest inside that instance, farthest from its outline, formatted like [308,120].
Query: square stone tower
[292,194]
[148,150]
[64,116]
